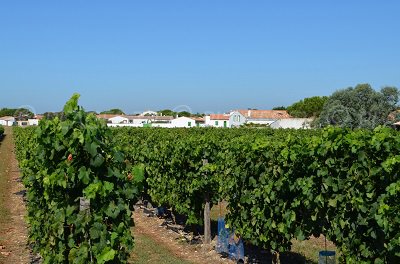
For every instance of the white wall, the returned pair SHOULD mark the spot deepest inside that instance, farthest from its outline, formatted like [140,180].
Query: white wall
[260,121]
[211,122]
[118,120]
[296,123]
[219,123]
[8,122]
[124,125]
[183,122]
[138,121]
[33,122]
[236,119]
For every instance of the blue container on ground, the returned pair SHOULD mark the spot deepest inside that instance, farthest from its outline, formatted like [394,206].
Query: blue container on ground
[327,257]
[227,242]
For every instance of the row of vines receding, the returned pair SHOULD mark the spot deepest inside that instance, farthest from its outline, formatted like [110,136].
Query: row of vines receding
[80,189]
[281,184]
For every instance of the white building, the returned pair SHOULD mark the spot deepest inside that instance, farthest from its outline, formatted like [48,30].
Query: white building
[33,122]
[264,117]
[7,120]
[236,119]
[217,120]
[118,120]
[183,122]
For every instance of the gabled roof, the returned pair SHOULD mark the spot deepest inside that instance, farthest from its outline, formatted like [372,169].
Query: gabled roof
[265,114]
[7,118]
[219,117]
[198,119]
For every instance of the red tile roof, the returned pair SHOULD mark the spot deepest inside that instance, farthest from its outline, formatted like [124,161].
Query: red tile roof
[198,119]
[219,117]
[265,114]
[7,118]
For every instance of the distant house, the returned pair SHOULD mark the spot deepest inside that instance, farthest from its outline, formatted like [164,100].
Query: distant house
[118,120]
[183,122]
[236,119]
[264,117]
[200,121]
[22,123]
[217,120]
[33,121]
[7,120]
[138,121]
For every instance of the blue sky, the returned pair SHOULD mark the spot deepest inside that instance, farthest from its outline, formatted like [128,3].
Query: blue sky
[211,56]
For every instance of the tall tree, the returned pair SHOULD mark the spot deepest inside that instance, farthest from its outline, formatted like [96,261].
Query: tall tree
[279,108]
[184,113]
[167,112]
[308,107]
[20,113]
[359,107]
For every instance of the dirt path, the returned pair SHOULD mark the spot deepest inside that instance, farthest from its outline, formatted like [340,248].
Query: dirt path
[151,227]
[13,230]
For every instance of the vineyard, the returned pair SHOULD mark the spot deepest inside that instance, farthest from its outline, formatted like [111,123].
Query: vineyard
[278,184]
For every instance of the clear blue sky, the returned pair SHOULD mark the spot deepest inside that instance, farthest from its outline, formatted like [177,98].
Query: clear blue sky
[210,55]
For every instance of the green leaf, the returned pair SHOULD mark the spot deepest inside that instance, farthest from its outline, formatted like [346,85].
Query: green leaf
[106,255]
[72,104]
[98,161]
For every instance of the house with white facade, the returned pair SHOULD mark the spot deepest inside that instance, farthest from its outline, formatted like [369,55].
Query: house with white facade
[264,117]
[118,120]
[33,122]
[183,122]
[236,119]
[7,120]
[217,120]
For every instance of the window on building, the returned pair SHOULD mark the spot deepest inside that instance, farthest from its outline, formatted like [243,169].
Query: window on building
[216,123]
[189,124]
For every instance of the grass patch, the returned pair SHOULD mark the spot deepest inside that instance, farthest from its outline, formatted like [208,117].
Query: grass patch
[147,250]
[310,248]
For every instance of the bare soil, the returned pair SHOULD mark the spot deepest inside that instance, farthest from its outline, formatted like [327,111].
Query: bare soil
[177,244]
[13,229]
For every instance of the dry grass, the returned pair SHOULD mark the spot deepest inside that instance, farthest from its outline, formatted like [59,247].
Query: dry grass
[149,251]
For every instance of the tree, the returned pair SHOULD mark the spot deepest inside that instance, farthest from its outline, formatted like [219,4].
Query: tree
[19,113]
[7,112]
[308,107]
[359,107]
[185,113]
[167,112]
[279,108]
[114,111]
